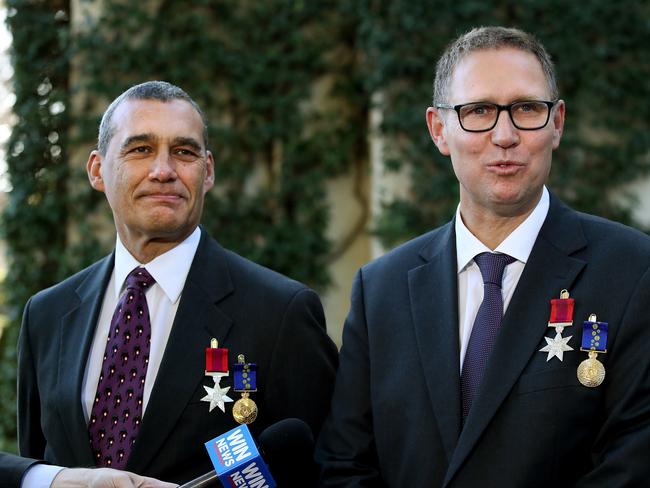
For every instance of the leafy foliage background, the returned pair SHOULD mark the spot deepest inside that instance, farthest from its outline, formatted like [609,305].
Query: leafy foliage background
[287,87]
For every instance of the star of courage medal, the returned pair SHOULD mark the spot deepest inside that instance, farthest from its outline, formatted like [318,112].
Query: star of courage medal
[244,411]
[561,317]
[591,371]
[216,367]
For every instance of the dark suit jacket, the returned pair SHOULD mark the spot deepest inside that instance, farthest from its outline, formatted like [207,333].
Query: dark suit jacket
[396,412]
[276,322]
[12,469]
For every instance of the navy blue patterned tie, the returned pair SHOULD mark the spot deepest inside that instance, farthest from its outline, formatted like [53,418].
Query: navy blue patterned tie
[486,325]
[117,410]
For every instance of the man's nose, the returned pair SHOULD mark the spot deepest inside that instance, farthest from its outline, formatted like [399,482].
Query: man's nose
[163,168]
[504,133]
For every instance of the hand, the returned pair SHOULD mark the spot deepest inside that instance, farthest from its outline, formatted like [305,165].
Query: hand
[104,478]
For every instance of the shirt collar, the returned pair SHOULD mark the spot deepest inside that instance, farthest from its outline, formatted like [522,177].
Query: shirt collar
[518,244]
[170,269]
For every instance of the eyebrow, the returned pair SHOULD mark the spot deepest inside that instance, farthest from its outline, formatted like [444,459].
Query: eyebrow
[187,141]
[137,138]
[148,137]
[515,99]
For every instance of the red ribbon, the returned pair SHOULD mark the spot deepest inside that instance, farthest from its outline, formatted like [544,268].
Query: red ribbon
[561,310]
[216,359]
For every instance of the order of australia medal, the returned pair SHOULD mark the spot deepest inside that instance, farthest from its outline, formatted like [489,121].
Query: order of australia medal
[244,411]
[591,372]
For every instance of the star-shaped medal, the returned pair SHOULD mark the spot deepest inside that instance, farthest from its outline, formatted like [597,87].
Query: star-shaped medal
[556,346]
[217,395]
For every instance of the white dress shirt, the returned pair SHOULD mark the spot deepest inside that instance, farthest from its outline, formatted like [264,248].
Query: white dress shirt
[170,271]
[518,244]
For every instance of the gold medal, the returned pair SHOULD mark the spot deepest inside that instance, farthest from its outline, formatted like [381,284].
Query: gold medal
[244,411]
[591,372]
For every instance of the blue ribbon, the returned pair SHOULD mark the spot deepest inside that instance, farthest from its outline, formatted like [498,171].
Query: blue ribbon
[594,336]
[245,377]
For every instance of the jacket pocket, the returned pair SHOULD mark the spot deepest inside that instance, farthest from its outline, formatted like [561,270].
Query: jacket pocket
[548,380]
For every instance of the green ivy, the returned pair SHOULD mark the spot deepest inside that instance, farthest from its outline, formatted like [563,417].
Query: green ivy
[35,220]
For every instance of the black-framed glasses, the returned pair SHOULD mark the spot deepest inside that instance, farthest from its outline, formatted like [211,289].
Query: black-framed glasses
[483,116]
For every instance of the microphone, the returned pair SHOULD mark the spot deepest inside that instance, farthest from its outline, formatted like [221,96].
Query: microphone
[288,448]
[287,445]
[203,481]
[236,460]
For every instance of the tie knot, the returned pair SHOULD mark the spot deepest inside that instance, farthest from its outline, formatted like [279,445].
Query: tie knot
[139,278]
[492,266]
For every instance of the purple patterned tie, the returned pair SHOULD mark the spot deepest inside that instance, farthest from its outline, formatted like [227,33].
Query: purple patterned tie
[117,410]
[486,325]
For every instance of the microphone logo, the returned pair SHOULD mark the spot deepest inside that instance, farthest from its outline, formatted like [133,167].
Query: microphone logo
[237,461]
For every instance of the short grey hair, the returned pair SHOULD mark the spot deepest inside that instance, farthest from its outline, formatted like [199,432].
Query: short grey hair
[150,90]
[482,38]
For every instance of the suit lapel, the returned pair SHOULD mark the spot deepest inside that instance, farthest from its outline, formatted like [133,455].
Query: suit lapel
[433,292]
[77,331]
[550,268]
[197,320]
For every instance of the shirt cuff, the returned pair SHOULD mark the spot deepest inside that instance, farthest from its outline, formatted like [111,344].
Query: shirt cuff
[40,476]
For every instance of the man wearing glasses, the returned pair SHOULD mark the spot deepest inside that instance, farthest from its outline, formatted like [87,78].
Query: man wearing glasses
[508,348]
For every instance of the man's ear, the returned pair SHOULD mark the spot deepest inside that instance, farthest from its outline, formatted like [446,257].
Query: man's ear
[94,170]
[208,183]
[436,125]
[557,118]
